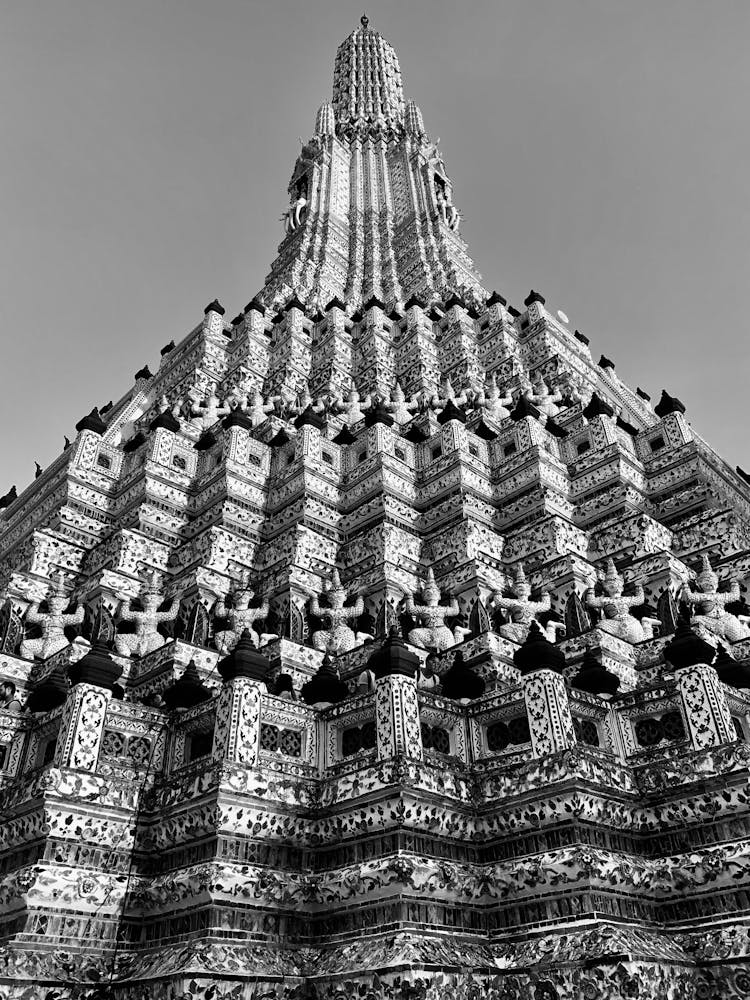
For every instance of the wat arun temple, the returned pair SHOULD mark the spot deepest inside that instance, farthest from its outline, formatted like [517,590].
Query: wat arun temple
[379,642]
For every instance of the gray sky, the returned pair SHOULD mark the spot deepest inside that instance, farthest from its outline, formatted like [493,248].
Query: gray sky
[599,153]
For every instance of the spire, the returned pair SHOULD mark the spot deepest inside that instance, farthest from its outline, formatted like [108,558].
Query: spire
[367,81]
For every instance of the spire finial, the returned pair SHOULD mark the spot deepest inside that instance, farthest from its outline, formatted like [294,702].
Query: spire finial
[364,21]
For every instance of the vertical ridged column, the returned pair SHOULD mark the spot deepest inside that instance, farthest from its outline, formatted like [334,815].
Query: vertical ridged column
[550,721]
[397,717]
[237,729]
[81,727]
[705,705]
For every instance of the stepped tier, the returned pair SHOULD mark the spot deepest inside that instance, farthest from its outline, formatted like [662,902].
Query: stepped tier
[379,642]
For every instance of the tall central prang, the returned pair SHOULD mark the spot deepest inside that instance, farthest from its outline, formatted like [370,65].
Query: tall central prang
[371,206]
[377,643]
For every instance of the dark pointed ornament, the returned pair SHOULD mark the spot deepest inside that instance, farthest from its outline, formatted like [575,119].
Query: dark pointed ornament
[686,648]
[345,436]
[244,661]
[731,671]
[668,404]
[214,306]
[255,306]
[134,443]
[484,431]
[378,414]
[393,657]
[187,691]
[143,373]
[294,303]
[92,422]
[280,438]
[237,418]
[534,297]
[324,687]
[451,412]
[205,441]
[415,434]
[597,407]
[167,420]
[309,418]
[49,693]
[538,653]
[595,678]
[453,301]
[460,682]
[374,303]
[524,408]
[96,667]
[626,426]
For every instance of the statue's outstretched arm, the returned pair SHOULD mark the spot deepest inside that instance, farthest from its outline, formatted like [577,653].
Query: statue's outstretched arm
[687,595]
[592,600]
[78,615]
[171,613]
[33,616]
[503,602]
[125,614]
[638,597]
[452,609]
[315,607]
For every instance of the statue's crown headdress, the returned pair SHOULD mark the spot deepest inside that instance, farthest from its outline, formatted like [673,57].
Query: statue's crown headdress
[611,575]
[707,576]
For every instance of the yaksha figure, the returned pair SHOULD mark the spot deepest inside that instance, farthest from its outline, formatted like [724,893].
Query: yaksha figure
[711,614]
[257,408]
[339,638]
[433,634]
[241,616]
[53,623]
[522,610]
[492,401]
[208,410]
[146,637]
[352,406]
[544,400]
[615,608]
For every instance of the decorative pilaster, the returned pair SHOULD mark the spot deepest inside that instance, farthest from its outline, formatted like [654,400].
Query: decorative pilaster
[397,717]
[307,443]
[550,721]
[237,730]
[705,706]
[81,727]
